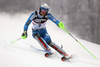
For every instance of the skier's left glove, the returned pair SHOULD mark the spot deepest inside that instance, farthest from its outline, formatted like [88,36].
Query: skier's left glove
[61,25]
[24,35]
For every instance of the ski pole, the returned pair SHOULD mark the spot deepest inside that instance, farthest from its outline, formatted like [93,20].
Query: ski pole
[15,40]
[80,44]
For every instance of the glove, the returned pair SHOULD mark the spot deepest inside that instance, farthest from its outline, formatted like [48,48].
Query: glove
[24,35]
[61,25]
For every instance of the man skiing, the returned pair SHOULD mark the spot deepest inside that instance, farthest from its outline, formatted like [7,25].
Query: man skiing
[39,32]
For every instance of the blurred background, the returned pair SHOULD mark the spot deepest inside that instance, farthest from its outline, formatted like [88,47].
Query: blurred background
[81,17]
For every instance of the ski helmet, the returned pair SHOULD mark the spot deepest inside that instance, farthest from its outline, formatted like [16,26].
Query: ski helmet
[44,7]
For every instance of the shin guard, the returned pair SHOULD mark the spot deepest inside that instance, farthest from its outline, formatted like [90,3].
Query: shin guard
[42,42]
[57,48]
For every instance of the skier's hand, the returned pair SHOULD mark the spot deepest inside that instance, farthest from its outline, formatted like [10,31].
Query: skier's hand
[61,25]
[24,35]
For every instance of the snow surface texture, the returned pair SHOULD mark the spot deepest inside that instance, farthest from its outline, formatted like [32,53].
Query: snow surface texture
[20,54]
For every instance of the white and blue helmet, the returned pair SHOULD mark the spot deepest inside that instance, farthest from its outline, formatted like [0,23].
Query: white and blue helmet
[44,6]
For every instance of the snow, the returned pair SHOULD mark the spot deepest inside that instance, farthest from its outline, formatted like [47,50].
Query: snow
[20,54]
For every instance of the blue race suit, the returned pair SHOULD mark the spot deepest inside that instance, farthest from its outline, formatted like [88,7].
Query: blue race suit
[39,24]
[39,30]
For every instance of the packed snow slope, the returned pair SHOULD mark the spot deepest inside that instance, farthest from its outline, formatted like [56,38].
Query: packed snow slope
[20,54]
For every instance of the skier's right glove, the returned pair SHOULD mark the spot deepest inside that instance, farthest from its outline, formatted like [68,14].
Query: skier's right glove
[24,35]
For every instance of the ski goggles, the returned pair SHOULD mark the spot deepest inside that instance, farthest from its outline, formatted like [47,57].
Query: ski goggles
[42,10]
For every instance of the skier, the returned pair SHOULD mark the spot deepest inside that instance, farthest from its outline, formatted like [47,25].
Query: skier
[39,19]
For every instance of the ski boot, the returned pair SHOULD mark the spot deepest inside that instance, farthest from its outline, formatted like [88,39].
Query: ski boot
[48,54]
[66,57]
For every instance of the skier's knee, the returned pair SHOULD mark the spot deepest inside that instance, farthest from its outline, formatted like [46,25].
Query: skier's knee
[49,43]
[36,35]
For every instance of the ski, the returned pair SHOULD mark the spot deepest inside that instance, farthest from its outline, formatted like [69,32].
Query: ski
[49,53]
[40,50]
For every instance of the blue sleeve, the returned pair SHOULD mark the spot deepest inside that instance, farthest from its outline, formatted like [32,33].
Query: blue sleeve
[50,17]
[32,16]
